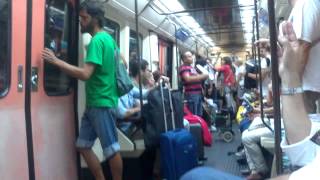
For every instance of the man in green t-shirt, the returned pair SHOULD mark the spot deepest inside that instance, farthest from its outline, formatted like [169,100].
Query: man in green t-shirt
[101,93]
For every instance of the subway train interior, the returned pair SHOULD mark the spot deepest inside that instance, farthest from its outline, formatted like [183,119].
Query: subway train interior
[41,106]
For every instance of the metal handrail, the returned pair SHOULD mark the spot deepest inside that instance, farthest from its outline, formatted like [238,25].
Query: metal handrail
[138,51]
[260,73]
[275,85]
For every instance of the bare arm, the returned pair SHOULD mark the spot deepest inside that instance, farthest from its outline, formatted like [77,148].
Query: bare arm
[197,78]
[239,77]
[267,110]
[74,71]
[130,112]
[291,69]
[253,76]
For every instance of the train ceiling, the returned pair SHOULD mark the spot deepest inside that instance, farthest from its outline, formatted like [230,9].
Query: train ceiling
[229,23]
[221,21]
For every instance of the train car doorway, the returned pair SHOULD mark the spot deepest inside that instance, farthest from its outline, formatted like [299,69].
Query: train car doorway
[37,126]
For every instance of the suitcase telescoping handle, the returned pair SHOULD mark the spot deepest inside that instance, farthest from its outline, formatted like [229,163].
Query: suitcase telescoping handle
[163,106]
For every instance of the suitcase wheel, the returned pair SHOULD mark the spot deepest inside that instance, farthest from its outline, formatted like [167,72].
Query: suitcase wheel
[227,136]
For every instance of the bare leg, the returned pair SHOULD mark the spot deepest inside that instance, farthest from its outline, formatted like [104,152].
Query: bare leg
[115,164]
[92,162]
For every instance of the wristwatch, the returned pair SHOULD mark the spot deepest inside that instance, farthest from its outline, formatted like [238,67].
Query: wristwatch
[291,91]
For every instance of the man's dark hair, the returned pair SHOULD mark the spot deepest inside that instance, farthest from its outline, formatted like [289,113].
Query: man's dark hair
[183,54]
[156,75]
[134,66]
[94,11]
[227,60]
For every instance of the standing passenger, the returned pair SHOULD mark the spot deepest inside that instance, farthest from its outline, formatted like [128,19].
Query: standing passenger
[192,83]
[228,82]
[306,24]
[101,93]
[304,17]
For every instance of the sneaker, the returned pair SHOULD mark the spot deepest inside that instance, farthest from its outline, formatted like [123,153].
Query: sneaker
[240,154]
[213,128]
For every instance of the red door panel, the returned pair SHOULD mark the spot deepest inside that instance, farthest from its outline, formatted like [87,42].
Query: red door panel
[13,143]
[52,116]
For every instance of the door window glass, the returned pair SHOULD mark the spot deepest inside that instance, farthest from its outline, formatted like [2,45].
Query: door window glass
[4,46]
[57,37]
[113,29]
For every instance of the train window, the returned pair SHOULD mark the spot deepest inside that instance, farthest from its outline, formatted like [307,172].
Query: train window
[57,31]
[133,45]
[113,29]
[165,57]
[4,46]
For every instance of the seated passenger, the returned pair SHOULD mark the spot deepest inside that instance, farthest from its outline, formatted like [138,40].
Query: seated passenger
[148,80]
[157,76]
[251,141]
[129,106]
[128,110]
[134,74]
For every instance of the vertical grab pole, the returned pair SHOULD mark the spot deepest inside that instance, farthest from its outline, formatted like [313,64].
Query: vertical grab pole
[253,40]
[275,85]
[259,61]
[177,56]
[138,50]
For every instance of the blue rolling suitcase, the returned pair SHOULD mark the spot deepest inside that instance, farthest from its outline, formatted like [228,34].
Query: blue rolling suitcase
[178,149]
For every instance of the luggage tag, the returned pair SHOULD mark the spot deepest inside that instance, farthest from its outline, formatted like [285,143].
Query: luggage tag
[316,138]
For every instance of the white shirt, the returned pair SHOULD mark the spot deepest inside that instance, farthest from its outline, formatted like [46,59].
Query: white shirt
[267,78]
[241,69]
[305,17]
[305,153]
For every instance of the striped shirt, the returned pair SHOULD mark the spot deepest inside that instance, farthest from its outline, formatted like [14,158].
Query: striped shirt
[191,87]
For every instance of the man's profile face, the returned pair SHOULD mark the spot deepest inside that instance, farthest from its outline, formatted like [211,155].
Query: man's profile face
[86,22]
[188,58]
[262,52]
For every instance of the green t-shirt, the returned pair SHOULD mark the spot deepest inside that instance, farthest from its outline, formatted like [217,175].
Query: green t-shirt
[101,88]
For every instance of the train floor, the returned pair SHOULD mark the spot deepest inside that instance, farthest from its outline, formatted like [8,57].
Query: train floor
[221,154]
